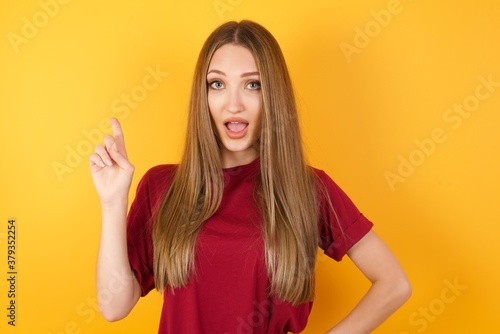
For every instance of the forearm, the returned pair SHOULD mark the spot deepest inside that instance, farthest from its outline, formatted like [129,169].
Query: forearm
[117,288]
[390,286]
[381,300]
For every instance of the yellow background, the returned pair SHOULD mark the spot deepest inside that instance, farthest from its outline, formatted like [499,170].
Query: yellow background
[362,114]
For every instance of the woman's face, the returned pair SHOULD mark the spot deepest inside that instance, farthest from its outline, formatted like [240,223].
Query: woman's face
[235,103]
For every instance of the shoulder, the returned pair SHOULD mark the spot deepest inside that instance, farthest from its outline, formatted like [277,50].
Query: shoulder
[160,174]
[323,181]
[156,180]
[318,173]
[151,190]
[329,191]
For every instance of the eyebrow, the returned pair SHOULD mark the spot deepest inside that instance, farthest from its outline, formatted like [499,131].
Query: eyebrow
[246,74]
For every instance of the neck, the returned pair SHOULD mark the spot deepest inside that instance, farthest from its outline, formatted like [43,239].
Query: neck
[233,159]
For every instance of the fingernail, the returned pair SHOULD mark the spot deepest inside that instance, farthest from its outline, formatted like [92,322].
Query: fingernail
[108,162]
[101,164]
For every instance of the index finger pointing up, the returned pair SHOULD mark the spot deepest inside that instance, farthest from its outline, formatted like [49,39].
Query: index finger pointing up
[118,135]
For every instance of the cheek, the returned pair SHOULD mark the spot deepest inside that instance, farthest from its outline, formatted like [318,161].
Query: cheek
[212,105]
[253,103]
[257,109]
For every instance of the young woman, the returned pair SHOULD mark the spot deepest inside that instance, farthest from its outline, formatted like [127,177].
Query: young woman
[230,234]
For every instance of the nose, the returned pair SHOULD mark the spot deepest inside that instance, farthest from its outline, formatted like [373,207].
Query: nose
[234,101]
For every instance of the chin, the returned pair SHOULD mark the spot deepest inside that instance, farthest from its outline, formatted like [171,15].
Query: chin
[237,147]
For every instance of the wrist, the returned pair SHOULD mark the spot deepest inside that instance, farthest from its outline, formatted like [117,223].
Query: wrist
[116,203]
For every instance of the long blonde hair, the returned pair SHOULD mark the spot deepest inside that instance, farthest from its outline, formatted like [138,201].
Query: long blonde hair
[286,188]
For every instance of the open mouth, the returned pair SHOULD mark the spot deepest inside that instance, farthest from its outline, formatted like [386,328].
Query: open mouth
[236,127]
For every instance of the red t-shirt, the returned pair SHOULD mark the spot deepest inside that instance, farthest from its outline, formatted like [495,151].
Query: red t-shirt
[229,292]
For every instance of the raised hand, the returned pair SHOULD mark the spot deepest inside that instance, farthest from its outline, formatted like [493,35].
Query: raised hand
[111,171]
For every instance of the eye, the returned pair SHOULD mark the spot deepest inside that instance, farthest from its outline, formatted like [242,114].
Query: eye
[254,85]
[216,84]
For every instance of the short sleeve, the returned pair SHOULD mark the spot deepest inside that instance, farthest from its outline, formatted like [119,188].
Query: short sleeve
[150,192]
[341,225]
